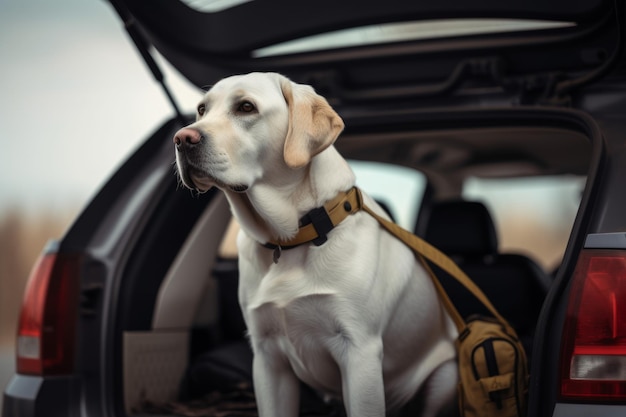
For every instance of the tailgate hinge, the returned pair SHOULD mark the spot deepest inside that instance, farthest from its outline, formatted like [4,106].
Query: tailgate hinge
[142,46]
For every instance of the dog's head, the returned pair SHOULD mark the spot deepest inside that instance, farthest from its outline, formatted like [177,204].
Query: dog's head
[250,127]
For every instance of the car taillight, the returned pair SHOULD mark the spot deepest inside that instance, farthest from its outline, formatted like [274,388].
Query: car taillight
[47,325]
[593,354]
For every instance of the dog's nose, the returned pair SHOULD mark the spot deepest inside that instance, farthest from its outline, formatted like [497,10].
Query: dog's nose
[187,136]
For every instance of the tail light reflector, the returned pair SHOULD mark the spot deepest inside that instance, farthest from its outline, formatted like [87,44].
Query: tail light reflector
[593,354]
[47,324]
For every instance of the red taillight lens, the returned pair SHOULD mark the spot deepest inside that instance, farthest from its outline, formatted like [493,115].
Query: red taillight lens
[594,337]
[46,332]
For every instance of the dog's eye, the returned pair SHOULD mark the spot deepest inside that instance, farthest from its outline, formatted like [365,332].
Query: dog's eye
[201,109]
[246,107]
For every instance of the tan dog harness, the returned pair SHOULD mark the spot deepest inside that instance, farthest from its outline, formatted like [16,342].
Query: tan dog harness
[317,223]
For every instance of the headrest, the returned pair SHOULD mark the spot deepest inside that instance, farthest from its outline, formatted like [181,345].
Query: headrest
[462,228]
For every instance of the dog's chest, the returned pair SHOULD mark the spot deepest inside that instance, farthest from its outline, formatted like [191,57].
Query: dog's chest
[303,312]
[308,331]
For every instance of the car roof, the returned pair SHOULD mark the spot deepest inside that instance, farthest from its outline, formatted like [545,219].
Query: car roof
[205,42]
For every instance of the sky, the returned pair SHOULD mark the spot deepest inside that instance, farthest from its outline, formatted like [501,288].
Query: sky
[75,100]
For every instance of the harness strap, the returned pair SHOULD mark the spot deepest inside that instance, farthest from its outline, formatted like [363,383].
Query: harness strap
[320,221]
[426,251]
[317,223]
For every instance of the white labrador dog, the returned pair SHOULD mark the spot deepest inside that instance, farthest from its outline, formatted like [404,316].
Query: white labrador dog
[356,316]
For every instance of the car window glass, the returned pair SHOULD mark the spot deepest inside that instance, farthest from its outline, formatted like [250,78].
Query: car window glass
[400,189]
[533,216]
[406,31]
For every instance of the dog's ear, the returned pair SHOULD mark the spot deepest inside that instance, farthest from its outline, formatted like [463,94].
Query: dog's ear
[313,124]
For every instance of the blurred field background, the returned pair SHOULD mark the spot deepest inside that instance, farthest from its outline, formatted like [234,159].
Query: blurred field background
[75,100]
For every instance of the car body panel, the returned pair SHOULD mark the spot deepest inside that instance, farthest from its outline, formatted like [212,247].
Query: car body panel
[616,240]
[585,410]
[27,395]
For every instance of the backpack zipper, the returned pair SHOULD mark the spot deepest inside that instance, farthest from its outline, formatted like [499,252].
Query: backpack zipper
[492,369]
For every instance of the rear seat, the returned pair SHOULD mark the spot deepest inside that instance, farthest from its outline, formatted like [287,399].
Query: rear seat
[514,283]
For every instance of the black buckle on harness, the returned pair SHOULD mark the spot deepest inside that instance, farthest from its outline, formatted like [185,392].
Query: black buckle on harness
[321,222]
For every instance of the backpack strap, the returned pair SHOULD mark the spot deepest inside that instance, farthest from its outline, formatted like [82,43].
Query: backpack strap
[426,251]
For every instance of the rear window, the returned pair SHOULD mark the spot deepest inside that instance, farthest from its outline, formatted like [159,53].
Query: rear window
[399,189]
[533,216]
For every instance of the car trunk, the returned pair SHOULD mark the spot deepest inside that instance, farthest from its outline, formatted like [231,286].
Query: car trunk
[179,338]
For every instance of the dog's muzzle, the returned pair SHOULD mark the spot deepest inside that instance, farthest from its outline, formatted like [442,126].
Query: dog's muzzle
[188,143]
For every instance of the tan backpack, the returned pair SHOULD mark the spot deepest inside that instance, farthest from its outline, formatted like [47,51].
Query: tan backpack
[493,369]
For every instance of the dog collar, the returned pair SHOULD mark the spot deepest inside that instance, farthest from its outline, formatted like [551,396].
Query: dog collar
[317,223]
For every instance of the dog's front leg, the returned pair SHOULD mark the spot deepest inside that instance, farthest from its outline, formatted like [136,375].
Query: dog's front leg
[362,380]
[276,387]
